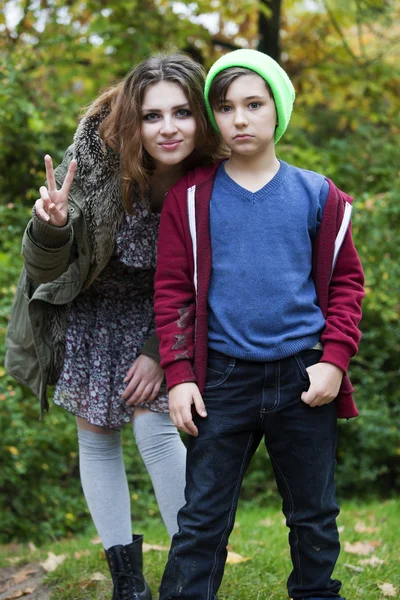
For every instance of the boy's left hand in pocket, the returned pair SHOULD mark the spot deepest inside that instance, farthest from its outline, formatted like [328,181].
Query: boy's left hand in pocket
[325,381]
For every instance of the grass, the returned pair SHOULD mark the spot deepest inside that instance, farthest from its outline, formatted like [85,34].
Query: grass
[260,536]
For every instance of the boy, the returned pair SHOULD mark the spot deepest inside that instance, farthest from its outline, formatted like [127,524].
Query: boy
[255,285]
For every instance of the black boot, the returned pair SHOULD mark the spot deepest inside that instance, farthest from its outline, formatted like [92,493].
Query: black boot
[126,564]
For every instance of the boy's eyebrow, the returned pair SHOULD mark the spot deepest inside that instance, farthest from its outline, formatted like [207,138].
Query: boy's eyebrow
[247,98]
[185,105]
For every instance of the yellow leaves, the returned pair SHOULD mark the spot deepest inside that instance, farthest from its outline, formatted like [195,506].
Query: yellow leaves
[234,558]
[23,574]
[97,576]
[361,527]
[374,561]
[96,540]
[70,517]
[78,555]
[362,548]
[13,450]
[353,568]
[52,561]
[92,580]
[19,593]
[12,589]
[388,590]
[149,547]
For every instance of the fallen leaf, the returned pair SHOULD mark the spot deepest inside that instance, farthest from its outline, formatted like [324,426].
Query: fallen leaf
[149,547]
[361,527]
[362,548]
[19,593]
[13,560]
[266,522]
[98,577]
[234,558]
[52,561]
[353,568]
[23,574]
[373,561]
[81,553]
[95,540]
[387,589]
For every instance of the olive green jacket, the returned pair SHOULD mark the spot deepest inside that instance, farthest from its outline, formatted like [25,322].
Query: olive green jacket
[60,262]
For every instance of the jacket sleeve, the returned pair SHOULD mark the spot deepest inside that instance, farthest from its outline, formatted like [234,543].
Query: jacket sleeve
[341,335]
[174,299]
[47,250]
[151,348]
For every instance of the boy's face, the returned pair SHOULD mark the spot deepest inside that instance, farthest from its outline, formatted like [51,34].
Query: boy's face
[247,118]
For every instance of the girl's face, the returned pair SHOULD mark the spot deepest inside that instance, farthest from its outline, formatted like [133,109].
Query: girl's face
[168,125]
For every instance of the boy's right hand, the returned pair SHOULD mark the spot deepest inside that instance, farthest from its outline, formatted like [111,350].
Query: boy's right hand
[182,399]
[52,206]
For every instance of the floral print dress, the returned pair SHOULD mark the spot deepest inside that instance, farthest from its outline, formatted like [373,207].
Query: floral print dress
[108,324]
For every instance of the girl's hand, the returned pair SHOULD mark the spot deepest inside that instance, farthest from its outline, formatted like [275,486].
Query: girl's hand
[52,206]
[325,381]
[145,378]
[183,399]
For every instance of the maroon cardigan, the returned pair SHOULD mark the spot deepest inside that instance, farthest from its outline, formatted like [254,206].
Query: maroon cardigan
[181,313]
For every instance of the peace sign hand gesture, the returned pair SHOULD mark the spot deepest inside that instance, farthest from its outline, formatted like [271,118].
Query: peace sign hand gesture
[52,206]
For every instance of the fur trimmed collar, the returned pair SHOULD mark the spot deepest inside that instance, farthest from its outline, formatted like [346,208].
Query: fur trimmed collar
[99,178]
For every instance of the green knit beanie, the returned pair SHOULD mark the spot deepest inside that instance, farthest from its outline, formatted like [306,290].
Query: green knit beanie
[265,66]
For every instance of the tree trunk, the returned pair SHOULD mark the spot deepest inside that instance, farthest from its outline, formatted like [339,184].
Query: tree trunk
[268,28]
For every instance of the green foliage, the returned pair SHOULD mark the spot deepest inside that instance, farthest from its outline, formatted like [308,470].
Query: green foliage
[346,122]
[40,491]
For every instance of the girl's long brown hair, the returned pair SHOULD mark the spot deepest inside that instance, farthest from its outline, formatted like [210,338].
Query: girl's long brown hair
[121,129]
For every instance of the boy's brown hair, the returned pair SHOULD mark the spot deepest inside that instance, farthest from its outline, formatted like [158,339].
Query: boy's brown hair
[223,80]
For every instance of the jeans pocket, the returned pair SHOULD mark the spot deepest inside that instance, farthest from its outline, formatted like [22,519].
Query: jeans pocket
[305,359]
[219,367]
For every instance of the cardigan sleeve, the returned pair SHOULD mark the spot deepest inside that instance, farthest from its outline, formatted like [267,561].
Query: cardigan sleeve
[341,334]
[174,300]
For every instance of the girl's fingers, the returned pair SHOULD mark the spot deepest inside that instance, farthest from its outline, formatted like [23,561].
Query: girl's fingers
[44,194]
[41,213]
[70,177]
[50,173]
[46,200]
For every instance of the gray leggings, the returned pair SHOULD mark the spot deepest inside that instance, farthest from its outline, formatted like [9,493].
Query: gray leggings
[104,479]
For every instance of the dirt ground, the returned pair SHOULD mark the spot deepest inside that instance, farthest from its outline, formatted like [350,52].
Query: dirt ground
[23,582]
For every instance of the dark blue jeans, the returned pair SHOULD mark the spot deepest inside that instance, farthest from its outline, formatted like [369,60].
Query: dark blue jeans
[247,401]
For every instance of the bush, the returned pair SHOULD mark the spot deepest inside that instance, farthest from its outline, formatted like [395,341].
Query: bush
[40,491]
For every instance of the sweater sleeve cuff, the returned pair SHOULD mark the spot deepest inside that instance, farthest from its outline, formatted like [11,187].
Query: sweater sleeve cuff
[49,236]
[180,371]
[336,355]
[151,348]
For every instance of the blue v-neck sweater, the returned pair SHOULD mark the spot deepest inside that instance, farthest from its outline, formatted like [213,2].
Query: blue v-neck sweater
[262,299]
